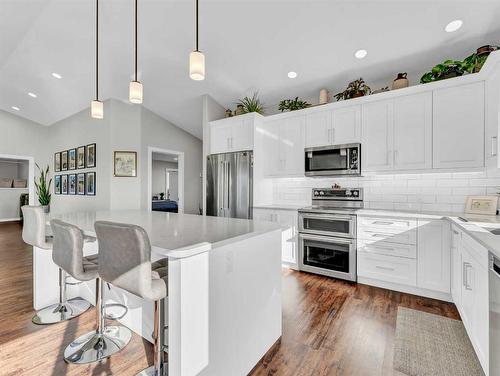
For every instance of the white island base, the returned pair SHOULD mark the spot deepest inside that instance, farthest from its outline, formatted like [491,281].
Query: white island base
[223,306]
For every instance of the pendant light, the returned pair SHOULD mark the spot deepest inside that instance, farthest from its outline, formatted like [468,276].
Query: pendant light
[135,87]
[196,58]
[96,107]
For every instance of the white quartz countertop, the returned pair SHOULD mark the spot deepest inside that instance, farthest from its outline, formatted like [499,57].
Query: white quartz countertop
[278,206]
[172,234]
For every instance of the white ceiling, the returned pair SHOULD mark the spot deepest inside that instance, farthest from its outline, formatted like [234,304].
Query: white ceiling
[249,45]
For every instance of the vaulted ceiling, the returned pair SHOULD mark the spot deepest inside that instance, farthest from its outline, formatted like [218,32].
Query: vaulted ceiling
[249,45]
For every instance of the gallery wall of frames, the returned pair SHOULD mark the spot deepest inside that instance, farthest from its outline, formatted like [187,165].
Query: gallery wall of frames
[75,183]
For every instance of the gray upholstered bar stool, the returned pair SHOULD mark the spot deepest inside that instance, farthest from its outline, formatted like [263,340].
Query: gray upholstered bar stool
[68,254]
[125,262]
[34,233]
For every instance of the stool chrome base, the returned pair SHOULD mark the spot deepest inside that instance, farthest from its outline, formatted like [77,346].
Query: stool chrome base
[61,311]
[151,371]
[92,347]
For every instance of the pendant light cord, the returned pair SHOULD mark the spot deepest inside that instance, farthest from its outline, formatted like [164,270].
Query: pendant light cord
[197,27]
[135,40]
[97,50]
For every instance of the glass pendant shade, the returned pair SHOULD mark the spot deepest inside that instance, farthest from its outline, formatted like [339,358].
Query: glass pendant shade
[197,66]
[135,92]
[97,110]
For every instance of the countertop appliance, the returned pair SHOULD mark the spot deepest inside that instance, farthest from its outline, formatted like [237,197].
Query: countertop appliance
[333,160]
[327,232]
[494,313]
[230,185]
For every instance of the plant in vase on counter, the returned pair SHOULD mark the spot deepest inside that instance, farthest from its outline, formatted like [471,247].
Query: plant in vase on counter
[292,104]
[43,188]
[355,89]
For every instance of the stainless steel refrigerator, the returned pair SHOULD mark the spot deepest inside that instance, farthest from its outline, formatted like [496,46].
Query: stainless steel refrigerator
[230,184]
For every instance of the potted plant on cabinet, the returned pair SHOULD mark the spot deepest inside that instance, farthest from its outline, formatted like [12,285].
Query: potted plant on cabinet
[447,69]
[252,104]
[355,89]
[292,104]
[43,189]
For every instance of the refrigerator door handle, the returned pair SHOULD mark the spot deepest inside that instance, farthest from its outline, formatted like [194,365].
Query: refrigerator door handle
[226,193]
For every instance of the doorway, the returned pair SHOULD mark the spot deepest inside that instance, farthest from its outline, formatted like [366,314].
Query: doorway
[165,180]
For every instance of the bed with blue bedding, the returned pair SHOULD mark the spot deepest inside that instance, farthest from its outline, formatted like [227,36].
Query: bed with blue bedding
[165,206]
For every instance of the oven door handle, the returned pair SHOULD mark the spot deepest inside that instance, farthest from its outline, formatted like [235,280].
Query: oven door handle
[327,239]
[331,217]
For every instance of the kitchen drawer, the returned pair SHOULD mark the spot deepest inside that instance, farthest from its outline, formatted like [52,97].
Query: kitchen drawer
[387,248]
[384,222]
[388,268]
[389,234]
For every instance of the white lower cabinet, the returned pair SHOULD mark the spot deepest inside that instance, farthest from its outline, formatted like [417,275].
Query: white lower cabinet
[289,220]
[398,270]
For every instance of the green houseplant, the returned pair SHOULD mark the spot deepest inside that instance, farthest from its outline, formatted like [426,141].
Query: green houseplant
[292,104]
[447,69]
[43,188]
[355,89]
[252,104]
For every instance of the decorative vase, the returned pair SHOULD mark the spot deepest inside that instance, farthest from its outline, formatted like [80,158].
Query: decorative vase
[239,110]
[46,208]
[358,94]
[229,113]
[400,82]
[324,96]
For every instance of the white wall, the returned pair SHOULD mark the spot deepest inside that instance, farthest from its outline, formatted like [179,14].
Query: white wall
[159,175]
[157,132]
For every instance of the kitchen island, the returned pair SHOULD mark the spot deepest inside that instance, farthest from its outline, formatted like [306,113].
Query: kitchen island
[224,287]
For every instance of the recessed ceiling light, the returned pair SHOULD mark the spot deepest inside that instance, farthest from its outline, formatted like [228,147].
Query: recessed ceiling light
[292,74]
[16,108]
[360,54]
[32,95]
[454,26]
[56,75]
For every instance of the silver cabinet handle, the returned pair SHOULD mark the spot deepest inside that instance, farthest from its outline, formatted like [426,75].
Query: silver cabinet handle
[384,268]
[382,223]
[494,146]
[333,135]
[455,232]
[467,266]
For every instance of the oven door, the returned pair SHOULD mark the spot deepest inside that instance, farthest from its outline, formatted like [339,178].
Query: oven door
[333,257]
[328,224]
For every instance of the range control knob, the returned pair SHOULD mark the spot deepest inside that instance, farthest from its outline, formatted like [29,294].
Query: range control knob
[348,193]
[321,193]
[355,193]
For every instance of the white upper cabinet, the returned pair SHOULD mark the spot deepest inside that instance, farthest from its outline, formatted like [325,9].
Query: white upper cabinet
[413,132]
[458,126]
[232,134]
[283,146]
[433,255]
[377,141]
[318,129]
[346,125]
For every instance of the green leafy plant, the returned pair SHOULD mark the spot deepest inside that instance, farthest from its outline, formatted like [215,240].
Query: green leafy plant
[447,69]
[357,88]
[42,187]
[474,62]
[252,104]
[292,104]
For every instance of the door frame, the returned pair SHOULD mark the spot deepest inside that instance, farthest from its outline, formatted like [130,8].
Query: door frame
[180,168]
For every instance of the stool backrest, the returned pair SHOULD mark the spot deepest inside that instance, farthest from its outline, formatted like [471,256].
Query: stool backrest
[34,227]
[67,249]
[125,256]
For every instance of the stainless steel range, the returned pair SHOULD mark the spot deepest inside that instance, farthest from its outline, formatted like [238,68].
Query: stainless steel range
[327,232]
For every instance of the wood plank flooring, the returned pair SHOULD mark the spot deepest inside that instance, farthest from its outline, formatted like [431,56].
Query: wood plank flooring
[330,327]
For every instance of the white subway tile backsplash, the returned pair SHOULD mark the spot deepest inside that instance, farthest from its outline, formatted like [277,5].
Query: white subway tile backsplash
[422,183]
[452,182]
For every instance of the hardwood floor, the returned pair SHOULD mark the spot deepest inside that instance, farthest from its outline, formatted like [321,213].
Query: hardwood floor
[330,327]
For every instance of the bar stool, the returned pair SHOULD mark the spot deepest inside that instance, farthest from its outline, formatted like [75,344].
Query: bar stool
[34,233]
[105,340]
[125,262]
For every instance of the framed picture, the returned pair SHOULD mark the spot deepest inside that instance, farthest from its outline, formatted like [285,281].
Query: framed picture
[90,183]
[64,184]
[57,162]
[64,160]
[81,183]
[57,184]
[125,164]
[72,184]
[90,156]
[486,205]
[80,157]
[72,159]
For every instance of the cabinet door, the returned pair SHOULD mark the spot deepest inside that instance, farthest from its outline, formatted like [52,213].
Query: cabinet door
[458,126]
[467,271]
[346,125]
[220,138]
[242,135]
[456,267]
[273,162]
[433,250]
[292,146]
[289,220]
[318,129]
[481,314]
[413,132]
[377,134]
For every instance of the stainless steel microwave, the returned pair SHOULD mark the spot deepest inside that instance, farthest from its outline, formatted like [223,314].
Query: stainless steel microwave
[333,160]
